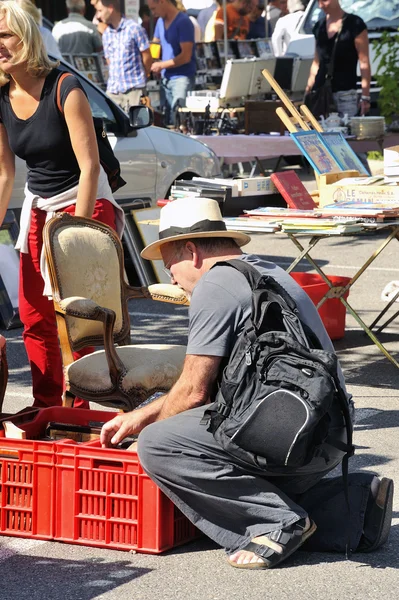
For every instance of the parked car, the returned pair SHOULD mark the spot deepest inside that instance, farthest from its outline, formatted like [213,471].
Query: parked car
[379,15]
[151,158]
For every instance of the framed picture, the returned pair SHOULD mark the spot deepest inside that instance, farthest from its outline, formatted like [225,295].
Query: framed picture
[342,152]
[316,151]
[147,222]
[9,273]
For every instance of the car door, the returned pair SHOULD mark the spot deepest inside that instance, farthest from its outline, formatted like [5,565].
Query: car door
[134,149]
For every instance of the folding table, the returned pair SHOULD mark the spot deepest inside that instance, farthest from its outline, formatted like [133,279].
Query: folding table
[392,232]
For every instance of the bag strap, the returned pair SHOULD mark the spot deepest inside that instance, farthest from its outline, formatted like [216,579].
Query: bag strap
[332,60]
[58,91]
[256,280]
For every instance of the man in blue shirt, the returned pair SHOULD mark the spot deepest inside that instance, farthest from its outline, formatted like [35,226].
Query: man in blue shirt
[127,50]
[175,32]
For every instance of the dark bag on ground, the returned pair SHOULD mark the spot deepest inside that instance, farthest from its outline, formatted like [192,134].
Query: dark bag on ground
[276,391]
[321,102]
[108,160]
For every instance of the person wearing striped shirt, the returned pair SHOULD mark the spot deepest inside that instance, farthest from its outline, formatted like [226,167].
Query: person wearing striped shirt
[127,51]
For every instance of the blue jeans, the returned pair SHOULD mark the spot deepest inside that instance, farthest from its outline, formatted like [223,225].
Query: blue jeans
[174,91]
[347,102]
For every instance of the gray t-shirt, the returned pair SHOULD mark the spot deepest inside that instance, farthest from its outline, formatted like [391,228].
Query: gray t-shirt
[221,303]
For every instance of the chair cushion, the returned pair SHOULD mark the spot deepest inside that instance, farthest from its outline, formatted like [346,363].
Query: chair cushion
[150,367]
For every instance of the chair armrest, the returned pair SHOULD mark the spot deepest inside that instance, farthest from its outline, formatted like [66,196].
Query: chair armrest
[84,308]
[166,292]
[136,292]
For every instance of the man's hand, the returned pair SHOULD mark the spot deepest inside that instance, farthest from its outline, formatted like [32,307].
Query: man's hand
[118,428]
[157,67]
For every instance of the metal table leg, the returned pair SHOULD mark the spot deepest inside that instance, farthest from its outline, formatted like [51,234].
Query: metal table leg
[339,291]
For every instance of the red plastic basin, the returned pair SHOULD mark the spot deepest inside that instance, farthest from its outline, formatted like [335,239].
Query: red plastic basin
[332,311]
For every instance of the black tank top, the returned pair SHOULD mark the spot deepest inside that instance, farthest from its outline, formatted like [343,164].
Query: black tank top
[43,140]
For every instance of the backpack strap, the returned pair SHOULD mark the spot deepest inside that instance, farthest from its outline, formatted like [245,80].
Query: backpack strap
[256,279]
[58,90]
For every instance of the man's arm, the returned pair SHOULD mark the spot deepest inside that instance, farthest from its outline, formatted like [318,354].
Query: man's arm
[193,388]
[181,59]
[147,61]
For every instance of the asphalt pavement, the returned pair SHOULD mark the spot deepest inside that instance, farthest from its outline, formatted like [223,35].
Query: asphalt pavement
[38,570]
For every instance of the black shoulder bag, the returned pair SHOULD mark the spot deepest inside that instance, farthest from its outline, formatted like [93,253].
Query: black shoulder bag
[108,160]
[321,101]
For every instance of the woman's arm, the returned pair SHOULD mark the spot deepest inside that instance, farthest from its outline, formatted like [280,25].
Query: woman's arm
[7,172]
[362,48]
[80,125]
[313,72]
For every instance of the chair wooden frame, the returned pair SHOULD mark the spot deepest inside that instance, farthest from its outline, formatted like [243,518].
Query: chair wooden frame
[84,308]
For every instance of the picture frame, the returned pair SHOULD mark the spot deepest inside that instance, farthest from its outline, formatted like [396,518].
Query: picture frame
[316,151]
[9,273]
[147,223]
[342,152]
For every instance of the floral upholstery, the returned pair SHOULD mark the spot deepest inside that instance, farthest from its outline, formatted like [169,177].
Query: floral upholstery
[88,265]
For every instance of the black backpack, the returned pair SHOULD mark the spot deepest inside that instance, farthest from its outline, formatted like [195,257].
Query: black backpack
[275,394]
[108,160]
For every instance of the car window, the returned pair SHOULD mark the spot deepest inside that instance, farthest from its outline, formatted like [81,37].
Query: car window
[376,13]
[100,107]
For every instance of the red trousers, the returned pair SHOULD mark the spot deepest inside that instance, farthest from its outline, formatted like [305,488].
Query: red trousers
[38,315]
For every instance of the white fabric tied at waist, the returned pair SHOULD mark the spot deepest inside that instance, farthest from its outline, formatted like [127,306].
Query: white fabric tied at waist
[55,204]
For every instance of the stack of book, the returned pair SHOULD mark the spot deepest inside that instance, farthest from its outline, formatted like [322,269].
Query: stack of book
[229,193]
[361,212]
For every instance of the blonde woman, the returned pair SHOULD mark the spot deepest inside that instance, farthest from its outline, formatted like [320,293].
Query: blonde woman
[48,39]
[64,173]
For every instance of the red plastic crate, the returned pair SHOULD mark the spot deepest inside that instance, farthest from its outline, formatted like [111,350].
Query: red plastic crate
[104,498]
[82,493]
[27,485]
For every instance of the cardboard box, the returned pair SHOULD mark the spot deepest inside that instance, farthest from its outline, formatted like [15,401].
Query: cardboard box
[381,194]
[333,189]
[255,186]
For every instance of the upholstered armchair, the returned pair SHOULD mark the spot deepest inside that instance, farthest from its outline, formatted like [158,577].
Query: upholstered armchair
[85,266]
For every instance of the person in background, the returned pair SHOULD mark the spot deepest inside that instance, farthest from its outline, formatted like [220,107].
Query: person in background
[237,20]
[75,34]
[209,33]
[205,14]
[197,29]
[48,39]
[145,16]
[127,51]
[175,33]
[273,12]
[285,26]
[352,48]
[101,27]
[257,23]
[283,5]
[64,174]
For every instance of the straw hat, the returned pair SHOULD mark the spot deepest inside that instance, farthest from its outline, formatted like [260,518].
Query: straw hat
[189,218]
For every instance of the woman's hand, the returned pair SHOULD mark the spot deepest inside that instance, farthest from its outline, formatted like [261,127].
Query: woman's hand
[364,106]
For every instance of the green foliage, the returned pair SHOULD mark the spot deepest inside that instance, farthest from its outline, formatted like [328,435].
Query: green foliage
[387,53]
[375,155]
